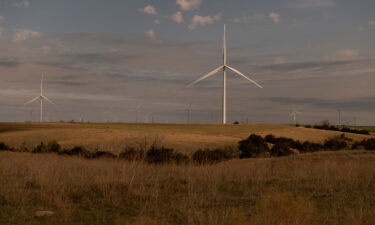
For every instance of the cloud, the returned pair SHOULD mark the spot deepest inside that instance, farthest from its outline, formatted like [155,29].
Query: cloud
[203,20]
[371,23]
[177,17]
[113,50]
[157,22]
[23,4]
[9,63]
[150,34]
[244,19]
[1,18]
[345,54]
[311,4]
[1,32]
[279,60]
[23,34]
[187,5]
[149,9]
[275,17]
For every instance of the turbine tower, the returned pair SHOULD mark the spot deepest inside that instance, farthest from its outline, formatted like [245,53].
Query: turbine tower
[41,97]
[224,68]
[188,110]
[294,114]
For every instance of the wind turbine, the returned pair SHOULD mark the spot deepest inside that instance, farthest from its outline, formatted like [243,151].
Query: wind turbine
[137,111]
[188,110]
[41,97]
[294,114]
[224,68]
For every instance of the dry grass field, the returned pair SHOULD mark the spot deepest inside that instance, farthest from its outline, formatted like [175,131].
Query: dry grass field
[333,188]
[184,138]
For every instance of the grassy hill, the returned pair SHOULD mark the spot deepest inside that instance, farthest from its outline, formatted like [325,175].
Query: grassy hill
[184,138]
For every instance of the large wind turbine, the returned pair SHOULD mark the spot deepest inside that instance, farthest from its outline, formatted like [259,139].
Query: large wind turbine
[41,97]
[224,68]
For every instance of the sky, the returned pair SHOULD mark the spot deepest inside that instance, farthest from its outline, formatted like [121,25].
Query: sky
[106,60]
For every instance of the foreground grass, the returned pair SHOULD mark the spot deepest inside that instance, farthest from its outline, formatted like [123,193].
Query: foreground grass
[320,188]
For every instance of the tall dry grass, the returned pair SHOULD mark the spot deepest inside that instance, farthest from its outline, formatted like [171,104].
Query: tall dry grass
[320,188]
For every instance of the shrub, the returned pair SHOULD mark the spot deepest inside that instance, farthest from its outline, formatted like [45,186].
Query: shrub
[336,143]
[281,149]
[51,147]
[308,126]
[253,146]
[164,155]
[4,147]
[368,144]
[100,154]
[132,154]
[214,156]
[76,151]
[310,147]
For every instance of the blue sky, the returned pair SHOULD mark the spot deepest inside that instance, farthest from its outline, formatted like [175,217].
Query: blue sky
[101,56]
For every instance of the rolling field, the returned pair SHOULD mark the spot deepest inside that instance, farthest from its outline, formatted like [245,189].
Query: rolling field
[184,138]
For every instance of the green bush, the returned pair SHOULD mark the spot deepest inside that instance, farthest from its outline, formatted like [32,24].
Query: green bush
[76,151]
[253,146]
[214,156]
[132,154]
[164,155]
[281,149]
[368,144]
[51,147]
[336,143]
[4,147]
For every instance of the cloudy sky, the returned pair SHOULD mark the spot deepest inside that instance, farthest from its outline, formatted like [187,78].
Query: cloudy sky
[103,59]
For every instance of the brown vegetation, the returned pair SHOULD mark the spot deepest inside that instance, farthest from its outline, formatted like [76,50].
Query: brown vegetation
[317,188]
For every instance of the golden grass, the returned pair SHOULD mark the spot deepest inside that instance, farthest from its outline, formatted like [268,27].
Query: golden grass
[319,188]
[185,138]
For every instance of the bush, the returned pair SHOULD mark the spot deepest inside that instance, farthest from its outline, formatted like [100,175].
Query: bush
[51,147]
[253,146]
[281,149]
[163,155]
[368,144]
[100,154]
[308,126]
[4,147]
[214,156]
[76,151]
[336,143]
[132,154]
[310,147]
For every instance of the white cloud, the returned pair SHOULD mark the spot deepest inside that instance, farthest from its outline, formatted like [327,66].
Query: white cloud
[244,19]
[23,34]
[157,22]
[113,50]
[23,4]
[149,9]
[279,60]
[345,54]
[177,17]
[203,20]
[275,17]
[371,23]
[1,32]
[309,4]
[151,34]
[1,18]
[187,5]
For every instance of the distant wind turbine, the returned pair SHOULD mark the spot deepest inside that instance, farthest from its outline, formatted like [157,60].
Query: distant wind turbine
[188,110]
[224,68]
[41,97]
[137,111]
[294,114]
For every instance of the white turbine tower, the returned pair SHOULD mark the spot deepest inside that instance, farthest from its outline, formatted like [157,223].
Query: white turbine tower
[294,114]
[224,68]
[41,97]
[188,110]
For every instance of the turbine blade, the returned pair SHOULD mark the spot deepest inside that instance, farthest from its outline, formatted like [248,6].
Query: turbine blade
[206,76]
[247,78]
[48,100]
[32,100]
